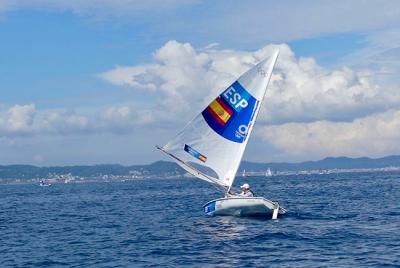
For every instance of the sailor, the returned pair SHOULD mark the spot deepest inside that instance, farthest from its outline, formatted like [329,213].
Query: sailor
[246,191]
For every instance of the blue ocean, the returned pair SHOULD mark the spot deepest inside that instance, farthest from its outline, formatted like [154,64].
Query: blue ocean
[335,220]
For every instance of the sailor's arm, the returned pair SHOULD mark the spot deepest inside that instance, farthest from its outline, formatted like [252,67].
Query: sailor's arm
[230,194]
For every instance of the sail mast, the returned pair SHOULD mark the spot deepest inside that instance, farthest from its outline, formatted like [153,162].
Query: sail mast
[268,75]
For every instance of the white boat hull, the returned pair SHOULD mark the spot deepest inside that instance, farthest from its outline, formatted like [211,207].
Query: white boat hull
[243,206]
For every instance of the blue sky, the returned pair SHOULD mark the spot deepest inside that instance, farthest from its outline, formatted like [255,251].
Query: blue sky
[71,94]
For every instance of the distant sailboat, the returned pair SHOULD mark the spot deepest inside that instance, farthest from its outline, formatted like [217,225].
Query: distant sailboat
[211,146]
[268,173]
[44,184]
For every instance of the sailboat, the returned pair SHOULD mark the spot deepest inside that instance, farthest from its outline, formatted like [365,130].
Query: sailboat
[211,146]
[44,184]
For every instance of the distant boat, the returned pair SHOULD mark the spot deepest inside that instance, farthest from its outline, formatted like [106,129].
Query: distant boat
[44,184]
[211,146]
[68,178]
[268,173]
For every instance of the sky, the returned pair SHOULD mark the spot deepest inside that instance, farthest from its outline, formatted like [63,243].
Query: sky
[101,81]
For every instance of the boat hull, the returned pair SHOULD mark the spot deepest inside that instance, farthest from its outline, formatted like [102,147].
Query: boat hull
[243,206]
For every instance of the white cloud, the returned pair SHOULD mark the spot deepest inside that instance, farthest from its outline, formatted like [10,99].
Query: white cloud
[179,79]
[17,120]
[290,20]
[309,110]
[124,119]
[27,121]
[62,122]
[302,91]
[375,135]
[129,76]
[20,118]
[380,56]
[183,80]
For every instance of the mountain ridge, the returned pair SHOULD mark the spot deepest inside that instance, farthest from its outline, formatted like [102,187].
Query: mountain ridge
[167,168]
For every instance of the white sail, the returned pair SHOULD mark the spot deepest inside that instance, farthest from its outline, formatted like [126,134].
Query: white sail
[211,146]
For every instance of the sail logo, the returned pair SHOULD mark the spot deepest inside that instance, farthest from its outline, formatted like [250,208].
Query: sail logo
[195,153]
[242,131]
[231,112]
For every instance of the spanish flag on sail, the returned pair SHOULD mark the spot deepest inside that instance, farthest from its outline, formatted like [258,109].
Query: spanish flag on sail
[220,111]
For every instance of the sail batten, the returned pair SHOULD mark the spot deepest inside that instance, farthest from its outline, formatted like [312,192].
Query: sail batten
[211,146]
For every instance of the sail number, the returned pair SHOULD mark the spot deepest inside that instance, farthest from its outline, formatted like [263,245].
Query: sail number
[235,99]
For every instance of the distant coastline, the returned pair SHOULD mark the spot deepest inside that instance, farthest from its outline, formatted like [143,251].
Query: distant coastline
[163,169]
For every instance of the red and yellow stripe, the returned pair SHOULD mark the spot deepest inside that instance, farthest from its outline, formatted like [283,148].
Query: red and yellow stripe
[220,111]
[202,158]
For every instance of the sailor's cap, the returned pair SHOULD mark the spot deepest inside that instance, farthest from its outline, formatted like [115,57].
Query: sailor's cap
[245,186]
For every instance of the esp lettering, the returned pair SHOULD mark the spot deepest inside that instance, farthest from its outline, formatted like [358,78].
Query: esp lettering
[235,98]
